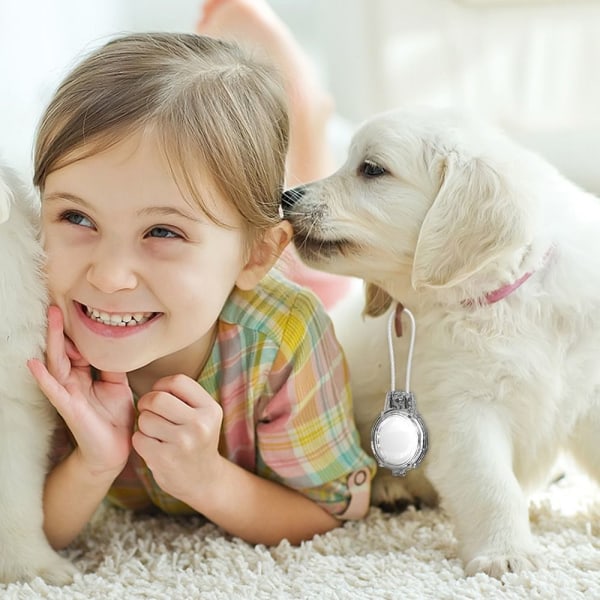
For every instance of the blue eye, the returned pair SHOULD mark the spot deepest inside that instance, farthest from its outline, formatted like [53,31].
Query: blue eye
[162,232]
[76,219]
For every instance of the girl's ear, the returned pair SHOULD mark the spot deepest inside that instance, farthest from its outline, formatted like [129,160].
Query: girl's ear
[264,255]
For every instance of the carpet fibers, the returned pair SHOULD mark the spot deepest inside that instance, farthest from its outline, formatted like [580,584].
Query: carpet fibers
[411,555]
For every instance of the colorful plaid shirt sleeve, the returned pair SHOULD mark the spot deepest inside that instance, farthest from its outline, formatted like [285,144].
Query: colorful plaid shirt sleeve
[306,436]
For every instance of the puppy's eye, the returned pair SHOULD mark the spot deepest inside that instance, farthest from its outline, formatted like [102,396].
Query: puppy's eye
[371,169]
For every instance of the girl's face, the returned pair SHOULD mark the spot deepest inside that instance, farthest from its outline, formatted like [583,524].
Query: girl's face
[139,274]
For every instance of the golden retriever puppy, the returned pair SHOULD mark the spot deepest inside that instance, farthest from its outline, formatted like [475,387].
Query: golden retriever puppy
[498,257]
[26,417]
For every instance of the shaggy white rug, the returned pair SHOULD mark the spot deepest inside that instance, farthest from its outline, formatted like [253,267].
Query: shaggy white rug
[411,555]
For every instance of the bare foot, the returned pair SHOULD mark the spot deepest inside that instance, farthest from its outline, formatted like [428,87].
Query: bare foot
[254,25]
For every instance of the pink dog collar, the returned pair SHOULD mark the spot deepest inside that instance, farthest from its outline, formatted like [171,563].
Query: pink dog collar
[509,288]
[506,290]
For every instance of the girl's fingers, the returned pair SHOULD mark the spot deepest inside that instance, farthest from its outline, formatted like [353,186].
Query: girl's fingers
[166,406]
[72,352]
[52,389]
[57,360]
[186,389]
[156,427]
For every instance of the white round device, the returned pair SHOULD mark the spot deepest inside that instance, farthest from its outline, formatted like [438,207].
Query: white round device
[399,437]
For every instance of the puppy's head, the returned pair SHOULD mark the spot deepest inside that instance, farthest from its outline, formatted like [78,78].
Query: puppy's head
[433,197]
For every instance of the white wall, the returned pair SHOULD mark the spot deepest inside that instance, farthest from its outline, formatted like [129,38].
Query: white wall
[532,65]
[40,40]
[523,61]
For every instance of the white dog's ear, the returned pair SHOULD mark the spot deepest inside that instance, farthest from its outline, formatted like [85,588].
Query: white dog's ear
[5,201]
[377,301]
[475,218]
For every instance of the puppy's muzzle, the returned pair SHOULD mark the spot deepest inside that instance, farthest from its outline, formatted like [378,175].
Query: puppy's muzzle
[290,197]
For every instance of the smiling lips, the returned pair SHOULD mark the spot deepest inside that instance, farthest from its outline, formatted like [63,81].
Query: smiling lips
[116,319]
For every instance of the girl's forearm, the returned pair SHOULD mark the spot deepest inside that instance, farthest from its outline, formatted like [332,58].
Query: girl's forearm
[71,496]
[258,510]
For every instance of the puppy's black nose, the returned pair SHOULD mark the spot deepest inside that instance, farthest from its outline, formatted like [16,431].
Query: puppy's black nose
[290,197]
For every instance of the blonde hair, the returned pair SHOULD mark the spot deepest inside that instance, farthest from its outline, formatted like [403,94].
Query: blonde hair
[217,112]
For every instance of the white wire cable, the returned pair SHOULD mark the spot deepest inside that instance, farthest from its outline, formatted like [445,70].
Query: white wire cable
[411,347]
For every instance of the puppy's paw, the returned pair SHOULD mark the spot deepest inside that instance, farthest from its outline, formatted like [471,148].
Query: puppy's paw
[44,563]
[390,493]
[59,571]
[497,565]
[395,494]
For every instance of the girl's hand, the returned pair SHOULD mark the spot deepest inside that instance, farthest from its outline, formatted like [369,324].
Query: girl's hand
[99,413]
[179,425]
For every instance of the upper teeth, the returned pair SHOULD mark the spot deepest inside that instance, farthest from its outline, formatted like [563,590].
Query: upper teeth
[117,320]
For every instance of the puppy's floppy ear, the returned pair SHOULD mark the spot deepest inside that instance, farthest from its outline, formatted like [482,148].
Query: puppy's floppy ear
[475,218]
[377,301]
[5,201]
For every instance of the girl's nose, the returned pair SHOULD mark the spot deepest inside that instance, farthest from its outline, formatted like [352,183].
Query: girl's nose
[112,270]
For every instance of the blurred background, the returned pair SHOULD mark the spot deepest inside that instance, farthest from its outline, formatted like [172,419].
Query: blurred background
[533,66]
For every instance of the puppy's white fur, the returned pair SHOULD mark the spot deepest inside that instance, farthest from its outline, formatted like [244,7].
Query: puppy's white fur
[26,418]
[435,211]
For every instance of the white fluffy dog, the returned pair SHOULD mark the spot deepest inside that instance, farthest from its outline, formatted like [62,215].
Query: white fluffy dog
[498,257]
[26,417]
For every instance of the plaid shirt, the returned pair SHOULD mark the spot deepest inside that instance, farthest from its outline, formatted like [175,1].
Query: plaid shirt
[280,377]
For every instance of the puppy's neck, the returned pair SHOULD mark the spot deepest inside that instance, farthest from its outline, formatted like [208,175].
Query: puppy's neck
[529,263]
[495,283]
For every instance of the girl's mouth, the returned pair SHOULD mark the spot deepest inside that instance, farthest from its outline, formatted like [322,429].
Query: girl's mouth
[117,319]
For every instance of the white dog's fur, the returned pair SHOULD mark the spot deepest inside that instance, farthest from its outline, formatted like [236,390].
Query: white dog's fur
[436,211]
[26,418]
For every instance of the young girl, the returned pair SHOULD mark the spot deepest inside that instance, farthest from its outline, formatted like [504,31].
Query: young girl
[160,162]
